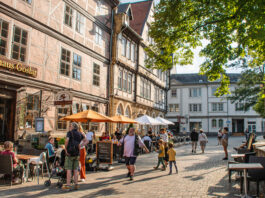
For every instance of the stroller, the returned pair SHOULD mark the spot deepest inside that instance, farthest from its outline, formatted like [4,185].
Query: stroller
[57,170]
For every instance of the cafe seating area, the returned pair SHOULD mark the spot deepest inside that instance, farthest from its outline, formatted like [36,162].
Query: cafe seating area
[249,164]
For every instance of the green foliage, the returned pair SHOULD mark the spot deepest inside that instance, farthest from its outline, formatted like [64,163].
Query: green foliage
[61,141]
[234,31]
[250,90]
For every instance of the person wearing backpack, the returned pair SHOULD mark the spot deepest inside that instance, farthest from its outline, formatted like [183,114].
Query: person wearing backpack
[72,151]
[132,145]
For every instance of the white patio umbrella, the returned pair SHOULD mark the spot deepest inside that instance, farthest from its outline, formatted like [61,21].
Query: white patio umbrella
[147,120]
[166,122]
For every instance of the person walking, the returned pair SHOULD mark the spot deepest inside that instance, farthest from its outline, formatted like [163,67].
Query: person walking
[203,140]
[225,142]
[164,137]
[132,145]
[72,151]
[82,155]
[161,155]
[172,158]
[194,136]
[219,137]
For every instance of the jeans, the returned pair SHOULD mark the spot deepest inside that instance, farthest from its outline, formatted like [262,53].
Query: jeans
[170,166]
[160,160]
[194,145]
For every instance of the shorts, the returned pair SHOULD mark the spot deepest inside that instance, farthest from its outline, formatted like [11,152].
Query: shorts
[130,160]
[71,163]
[203,143]
[224,142]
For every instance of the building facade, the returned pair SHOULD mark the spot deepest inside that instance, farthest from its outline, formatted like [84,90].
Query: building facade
[192,104]
[135,89]
[47,47]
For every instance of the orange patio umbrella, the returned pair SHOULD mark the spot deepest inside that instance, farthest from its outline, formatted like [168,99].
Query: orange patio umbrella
[87,116]
[122,119]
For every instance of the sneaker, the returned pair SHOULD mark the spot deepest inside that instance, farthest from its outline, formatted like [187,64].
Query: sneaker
[128,174]
[76,187]
[66,187]
[170,173]
[82,180]
[225,158]
[163,169]
[131,178]
[155,168]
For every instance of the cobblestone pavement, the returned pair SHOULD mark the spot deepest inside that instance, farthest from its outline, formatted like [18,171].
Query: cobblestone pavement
[200,175]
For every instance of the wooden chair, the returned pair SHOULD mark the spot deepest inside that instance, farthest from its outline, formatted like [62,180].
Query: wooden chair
[6,166]
[256,175]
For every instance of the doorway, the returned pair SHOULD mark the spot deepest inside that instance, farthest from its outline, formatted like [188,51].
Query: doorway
[238,125]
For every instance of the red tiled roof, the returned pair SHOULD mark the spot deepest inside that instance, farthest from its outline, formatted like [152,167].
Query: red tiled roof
[140,12]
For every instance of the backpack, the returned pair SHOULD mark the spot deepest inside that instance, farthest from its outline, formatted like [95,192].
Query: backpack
[73,146]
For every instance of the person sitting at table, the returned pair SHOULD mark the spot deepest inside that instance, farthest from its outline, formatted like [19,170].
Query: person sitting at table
[248,144]
[17,169]
[50,148]
[114,139]
[118,133]
[104,137]
[147,141]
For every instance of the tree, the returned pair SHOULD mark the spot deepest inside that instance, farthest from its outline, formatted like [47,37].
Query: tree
[250,88]
[234,31]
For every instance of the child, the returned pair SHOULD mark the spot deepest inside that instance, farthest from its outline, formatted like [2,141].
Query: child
[17,169]
[161,155]
[172,158]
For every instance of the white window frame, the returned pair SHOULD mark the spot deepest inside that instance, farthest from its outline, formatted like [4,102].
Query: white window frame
[80,23]
[98,35]
[195,92]
[174,93]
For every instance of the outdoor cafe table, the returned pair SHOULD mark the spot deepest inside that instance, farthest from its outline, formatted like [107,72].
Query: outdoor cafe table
[245,166]
[26,158]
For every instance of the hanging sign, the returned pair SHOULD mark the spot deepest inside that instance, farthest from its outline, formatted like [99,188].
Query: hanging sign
[63,98]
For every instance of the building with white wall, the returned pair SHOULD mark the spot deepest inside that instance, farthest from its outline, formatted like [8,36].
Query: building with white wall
[192,104]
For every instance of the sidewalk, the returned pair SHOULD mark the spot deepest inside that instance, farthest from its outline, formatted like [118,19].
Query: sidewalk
[200,175]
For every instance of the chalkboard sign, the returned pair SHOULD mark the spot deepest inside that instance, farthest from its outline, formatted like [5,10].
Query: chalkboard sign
[104,152]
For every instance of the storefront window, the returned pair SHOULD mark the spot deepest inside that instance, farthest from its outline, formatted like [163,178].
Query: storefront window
[62,112]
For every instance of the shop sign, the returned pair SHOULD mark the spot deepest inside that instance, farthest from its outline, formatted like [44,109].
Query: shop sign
[63,98]
[18,67]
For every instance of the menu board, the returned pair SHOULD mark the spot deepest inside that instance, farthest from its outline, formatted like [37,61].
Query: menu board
[104,152]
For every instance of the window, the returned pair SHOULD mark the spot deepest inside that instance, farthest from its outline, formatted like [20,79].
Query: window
[65,62]
[142,88]
[195,107]
[62,112]
[214,90]
[173,92]
[214,123]
[119,110]
[130,83]
[77,60]
[128,51]
[133,52]
[221,123]
[68,16]
[19,44]
[98,35]
[96,73]
[33,102]
[80,23]
[195,92]
[217,107]
[239,106]
[3,36]
[125,76]
[99,6]
[120,79]
[28,1]
[123,43]
[173,107]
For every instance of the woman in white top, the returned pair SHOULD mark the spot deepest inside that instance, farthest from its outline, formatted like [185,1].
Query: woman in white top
[203,140]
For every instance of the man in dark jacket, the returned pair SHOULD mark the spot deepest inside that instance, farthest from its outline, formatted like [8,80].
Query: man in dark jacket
[194,136]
